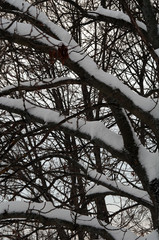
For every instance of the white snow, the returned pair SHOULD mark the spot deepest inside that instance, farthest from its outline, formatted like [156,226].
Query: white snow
[117,15]
[28,31]
[47,210]
[150,162]
[76,55]
[105,185]
[86,63]
[97,189]
[25,7]
[95,130]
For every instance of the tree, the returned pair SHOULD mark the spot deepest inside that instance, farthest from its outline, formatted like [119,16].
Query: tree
[79,119]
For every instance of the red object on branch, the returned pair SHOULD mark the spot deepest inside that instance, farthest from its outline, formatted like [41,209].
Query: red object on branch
[61,54]
[52,55]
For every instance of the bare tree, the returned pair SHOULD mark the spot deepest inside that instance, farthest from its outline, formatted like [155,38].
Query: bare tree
[79,118]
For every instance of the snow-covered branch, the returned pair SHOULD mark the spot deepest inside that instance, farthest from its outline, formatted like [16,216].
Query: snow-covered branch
[29,86]
[17,29]
[118,15]
[98,68]
[103,185]
[82,65]
[48,215]
[95,131]
[109,85]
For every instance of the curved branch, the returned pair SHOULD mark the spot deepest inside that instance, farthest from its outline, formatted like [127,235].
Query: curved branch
[94,131]
[103,186]
[34,86]
[47,215]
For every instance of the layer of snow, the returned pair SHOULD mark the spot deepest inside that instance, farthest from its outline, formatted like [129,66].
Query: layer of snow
[95,130]
[105,185]
[86,63]
[28,31]
[149,161]
[114,83]
[27,8]
[117,15]
[49,211]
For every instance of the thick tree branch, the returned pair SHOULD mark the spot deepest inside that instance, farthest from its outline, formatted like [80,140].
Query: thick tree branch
[47,215]
[151,22]
[70,125]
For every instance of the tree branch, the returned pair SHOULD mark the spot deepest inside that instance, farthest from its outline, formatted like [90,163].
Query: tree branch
[47,215]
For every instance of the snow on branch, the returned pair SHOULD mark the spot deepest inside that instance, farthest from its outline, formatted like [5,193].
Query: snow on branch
[28,31]
[103,185]
[145,108]
[83,65]
[118,15]
[150,162]
[37,85]
[111,83]
[36,14]
[95,131]
[48,215]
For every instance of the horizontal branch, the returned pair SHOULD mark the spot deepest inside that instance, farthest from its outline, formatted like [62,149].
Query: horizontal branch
[119,18]
[37,85]
[94,131]
[48,215]
[103,186]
